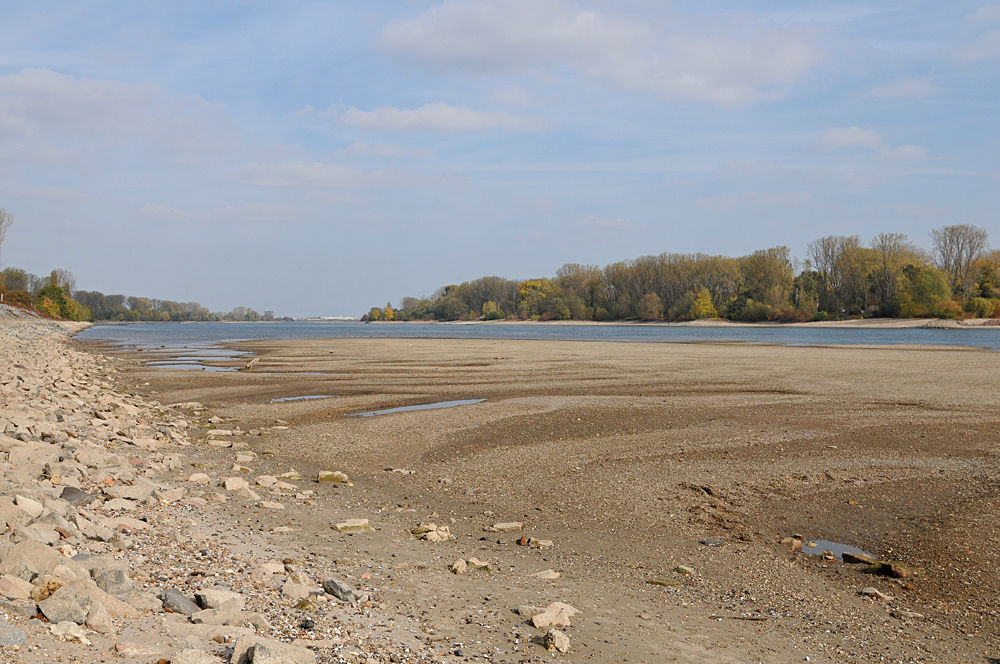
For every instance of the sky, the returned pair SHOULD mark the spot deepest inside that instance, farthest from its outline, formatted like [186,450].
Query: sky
[320,158]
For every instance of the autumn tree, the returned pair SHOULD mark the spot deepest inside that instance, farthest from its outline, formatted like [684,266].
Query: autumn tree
[956,249]
[6,219]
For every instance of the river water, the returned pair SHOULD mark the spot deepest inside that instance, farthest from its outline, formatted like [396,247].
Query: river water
[171,336]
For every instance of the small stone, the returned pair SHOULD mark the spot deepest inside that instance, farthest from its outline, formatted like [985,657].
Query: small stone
[711,541]
[546,575]
[76,497]
[858,558]
[339,589]
[511,527]
[684,569]
[353,526]
[271,505]
[99,620]
[266,480]
[175,601]
[875,593]
[906,615]
[219,598]
[32,507]
[334,476]
[556,641]
[458,567]
[13,587]
[557,614]
[69,631]
[200,478]
[236,483]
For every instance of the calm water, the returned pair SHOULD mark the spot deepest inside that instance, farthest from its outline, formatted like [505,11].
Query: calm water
[201,337]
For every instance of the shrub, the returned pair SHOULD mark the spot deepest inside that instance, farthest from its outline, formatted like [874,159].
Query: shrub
[946,309]
[980,307]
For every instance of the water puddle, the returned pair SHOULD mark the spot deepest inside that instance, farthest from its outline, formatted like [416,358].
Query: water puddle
[816,547]
[426,406]
[190,366]
[302,398]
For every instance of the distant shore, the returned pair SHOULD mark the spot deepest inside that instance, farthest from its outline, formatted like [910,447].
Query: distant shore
[859,323]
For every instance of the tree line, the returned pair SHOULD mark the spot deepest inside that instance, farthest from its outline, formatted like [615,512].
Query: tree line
[56,295]
[840,277]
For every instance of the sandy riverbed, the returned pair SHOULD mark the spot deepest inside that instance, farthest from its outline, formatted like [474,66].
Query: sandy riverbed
[625,456]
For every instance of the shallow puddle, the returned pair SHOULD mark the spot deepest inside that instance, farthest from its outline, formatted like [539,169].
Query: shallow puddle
[426,406]
[302,398]
[189,366]
[836,548]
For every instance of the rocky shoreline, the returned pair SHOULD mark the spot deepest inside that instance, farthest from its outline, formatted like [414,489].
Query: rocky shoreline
[113,549]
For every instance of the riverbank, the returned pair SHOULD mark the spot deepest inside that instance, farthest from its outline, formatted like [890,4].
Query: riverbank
[628,458]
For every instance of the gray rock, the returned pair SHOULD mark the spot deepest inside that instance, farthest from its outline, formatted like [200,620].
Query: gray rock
[75,496]
[11,636]
[257,650]
[144,601]
[66,604]
[193,656]
[113,580]
[177,602]
[18,609]
[339,589]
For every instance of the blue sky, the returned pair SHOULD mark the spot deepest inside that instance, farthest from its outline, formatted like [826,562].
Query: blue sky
[321,158]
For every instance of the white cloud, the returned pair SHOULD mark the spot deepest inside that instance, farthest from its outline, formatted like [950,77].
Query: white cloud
[908,153]
[905,89]
[49,117]
[848,137]
[729,201]
[715,64]
[438,117]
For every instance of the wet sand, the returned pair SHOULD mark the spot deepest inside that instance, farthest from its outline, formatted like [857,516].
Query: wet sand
[625,455]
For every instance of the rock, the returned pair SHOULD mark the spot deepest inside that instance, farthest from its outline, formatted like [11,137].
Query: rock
[10,636]
[257,650]
[664,582]
[219,598]
[430,532]
[874,593]
[294,590]
[271,505]
[557,614]
[177,602]
[511,527]
[99,620]
[144,601]
[710,541]
[458,567]
[169,495]
[113,580]
[555,641]
[684,569]
[66,604]
[192,656]
[858,558]
[332,476]
[266,480]
[75,496]
[127,649]
[13,587]
[339,589]
[793,543]
[893,568]
[20,610]
[353,526]
[236,483]
[546,575]
[528,611]
[69,631]
[200,478]
[263,572]
[906,615]
[32,507]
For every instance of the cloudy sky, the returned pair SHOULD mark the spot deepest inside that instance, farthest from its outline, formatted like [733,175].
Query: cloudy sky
[317,158]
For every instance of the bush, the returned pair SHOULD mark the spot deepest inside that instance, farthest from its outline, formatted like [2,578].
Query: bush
[980,307]
[19,298]
[946,309]
[601,314]
[494,315]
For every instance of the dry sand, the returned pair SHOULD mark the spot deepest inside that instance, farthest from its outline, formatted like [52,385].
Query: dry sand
[625,455]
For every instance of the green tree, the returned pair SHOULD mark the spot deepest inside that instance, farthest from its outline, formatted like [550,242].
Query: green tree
[703,307]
